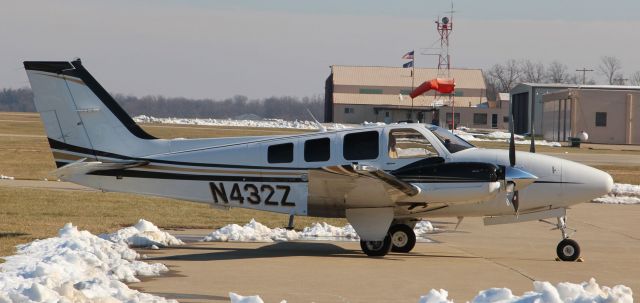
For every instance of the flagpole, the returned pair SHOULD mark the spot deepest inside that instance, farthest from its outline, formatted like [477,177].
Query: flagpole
[413,79]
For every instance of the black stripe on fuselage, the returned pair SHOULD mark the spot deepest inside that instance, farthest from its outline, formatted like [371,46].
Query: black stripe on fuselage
[76,149]
[190,177]
[555,182]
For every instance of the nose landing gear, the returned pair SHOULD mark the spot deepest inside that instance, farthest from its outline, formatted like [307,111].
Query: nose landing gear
[567,249]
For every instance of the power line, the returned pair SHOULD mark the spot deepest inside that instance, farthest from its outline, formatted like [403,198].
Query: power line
[584,71]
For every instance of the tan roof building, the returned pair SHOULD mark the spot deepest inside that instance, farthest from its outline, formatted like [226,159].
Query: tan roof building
[354,94]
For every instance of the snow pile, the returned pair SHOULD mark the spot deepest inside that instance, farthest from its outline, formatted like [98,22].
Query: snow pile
[143,234]
[621,194]
[257,232]
[423,228]
[3,177]
[236,298]
[266,123]
[545,292]
[250,232]
[76,266]
[499,136]
[324,230]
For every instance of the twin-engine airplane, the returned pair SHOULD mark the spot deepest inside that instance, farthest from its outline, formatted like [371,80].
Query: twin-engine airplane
[382,179]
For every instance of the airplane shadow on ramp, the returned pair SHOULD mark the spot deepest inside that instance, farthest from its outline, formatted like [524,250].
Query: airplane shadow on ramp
[285,249]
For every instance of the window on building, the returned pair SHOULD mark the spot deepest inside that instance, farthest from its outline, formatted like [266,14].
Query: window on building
[479,118]
[361,146]
[348,110]
[280,153]
[317,150]
[601,119]
[409,143]
[375,91]
[505,119]
[386,114]
[459,93]
[406,92]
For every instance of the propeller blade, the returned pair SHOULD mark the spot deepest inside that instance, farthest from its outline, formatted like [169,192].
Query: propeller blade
[532,147]
[515,201]
[512,145]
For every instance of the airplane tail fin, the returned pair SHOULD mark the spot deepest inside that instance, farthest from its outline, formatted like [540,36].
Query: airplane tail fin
[81,119]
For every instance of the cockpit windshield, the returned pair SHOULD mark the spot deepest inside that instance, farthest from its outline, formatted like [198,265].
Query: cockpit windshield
[452,142]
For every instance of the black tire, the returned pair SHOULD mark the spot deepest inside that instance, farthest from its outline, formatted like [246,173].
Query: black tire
[403,239]
[376,248]
[568,250]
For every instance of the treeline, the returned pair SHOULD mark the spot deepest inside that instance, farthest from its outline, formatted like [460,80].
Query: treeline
[239,107]
[502,77]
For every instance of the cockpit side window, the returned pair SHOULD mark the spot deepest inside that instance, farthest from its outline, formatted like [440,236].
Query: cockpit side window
[409,143]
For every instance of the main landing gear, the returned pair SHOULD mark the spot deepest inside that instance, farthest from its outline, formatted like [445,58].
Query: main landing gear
[400,238]
[567,249]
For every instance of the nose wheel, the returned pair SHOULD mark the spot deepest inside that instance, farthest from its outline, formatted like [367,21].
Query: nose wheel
[376,248]
[567,249]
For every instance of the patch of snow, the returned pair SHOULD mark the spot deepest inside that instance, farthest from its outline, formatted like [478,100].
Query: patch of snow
[250,232]
[257,232]
[328,231]
[143,234]
[423,228]
[75,266]
[236,298]
[266,123]
[3,177]
[621,194]
[499,136]
[543,292]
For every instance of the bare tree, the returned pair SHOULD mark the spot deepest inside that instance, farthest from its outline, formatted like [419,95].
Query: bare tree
[635,78]
[557,72]
[610,67]
[532,72]
[504,76]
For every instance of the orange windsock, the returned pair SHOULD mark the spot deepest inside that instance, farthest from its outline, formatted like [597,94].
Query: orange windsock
[441,85]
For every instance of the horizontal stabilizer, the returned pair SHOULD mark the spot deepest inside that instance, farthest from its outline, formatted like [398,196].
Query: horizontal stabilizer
[81,167]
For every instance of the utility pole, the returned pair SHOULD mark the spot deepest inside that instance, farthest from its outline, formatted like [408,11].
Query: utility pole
[584,71]
[621,80]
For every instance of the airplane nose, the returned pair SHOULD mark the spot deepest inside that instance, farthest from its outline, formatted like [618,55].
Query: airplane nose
[585,183]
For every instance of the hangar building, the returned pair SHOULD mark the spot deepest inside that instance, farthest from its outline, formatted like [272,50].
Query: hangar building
[608,114]
[354,94]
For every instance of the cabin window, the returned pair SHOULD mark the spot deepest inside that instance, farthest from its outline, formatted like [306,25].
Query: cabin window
[280,153]
[361,146]
[601,119]
[348,110]
[317,150]
[409,143]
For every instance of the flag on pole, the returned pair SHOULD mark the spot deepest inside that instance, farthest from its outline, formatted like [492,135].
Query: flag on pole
[408,64]
[408,55]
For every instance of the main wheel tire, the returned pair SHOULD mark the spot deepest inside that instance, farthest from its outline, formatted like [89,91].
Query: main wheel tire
[403,239]
[568,250]
[376,248]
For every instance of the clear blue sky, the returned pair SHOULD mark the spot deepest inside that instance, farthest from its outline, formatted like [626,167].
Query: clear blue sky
[263,48]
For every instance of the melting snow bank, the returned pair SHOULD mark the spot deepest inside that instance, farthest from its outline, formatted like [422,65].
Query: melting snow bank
[267,123]
[621,194]
[3,177]
[257,232]
[499,136]
[544,292]
[76,266]
[143,234]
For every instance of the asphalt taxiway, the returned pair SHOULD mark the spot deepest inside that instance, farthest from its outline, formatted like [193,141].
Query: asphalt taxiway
[473,258]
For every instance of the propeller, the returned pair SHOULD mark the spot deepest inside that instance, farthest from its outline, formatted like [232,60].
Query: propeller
[532,147]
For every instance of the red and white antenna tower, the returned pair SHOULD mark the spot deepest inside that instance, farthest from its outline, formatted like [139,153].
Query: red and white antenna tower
[444,27]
